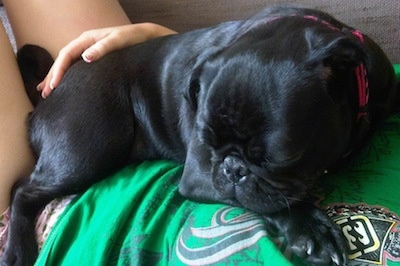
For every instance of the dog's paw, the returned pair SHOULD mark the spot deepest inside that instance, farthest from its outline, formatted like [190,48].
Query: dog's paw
[311,235]
[10,258]
[19,251]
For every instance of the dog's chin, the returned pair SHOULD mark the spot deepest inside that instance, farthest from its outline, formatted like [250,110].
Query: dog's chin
[260,194]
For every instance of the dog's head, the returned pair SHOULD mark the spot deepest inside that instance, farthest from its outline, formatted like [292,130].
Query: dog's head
[271,117]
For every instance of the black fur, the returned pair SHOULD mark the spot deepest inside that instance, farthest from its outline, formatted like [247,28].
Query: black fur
[256,109]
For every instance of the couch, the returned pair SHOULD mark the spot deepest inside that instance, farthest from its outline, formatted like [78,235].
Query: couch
[379,19]
[146,222]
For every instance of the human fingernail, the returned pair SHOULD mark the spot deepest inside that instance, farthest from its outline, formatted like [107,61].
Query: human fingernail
[51,85]
[88,57]
[38,87]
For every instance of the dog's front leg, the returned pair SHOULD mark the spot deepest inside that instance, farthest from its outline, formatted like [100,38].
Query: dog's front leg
[311,234]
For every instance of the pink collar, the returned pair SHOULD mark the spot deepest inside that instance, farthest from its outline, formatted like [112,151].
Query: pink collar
[360,72]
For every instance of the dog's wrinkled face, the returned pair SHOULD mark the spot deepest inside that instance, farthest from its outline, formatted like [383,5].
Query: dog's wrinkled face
[270,128]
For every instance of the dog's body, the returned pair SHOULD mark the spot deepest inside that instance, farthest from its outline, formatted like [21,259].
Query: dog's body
[256,109]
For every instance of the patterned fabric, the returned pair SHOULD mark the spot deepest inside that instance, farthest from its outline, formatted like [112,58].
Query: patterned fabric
[4,218]
[48,218]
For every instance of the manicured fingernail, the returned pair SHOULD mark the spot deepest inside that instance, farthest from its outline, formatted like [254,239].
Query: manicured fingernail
[38,88]
[52,85]
[88,57]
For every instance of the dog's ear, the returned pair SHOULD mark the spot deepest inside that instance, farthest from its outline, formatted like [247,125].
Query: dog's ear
[34,63]
[336,54]
[337,51]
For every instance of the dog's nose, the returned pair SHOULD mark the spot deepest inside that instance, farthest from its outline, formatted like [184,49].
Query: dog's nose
[235,169]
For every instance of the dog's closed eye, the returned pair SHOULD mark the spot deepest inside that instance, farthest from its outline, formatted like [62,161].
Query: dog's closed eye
[192,93]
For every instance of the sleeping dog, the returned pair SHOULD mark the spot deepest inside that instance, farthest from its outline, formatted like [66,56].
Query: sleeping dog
[257,110]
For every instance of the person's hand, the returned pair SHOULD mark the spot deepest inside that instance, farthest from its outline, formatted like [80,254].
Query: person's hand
[93,44]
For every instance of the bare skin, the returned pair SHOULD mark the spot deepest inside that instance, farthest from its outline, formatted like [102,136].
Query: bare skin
[16,159]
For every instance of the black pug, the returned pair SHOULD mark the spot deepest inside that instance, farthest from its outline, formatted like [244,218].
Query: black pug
[256,109]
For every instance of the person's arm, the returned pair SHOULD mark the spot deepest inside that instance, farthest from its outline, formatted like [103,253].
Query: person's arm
[93,44]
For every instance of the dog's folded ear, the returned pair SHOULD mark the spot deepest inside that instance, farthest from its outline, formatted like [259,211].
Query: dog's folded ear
[34,63]
[338,51]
